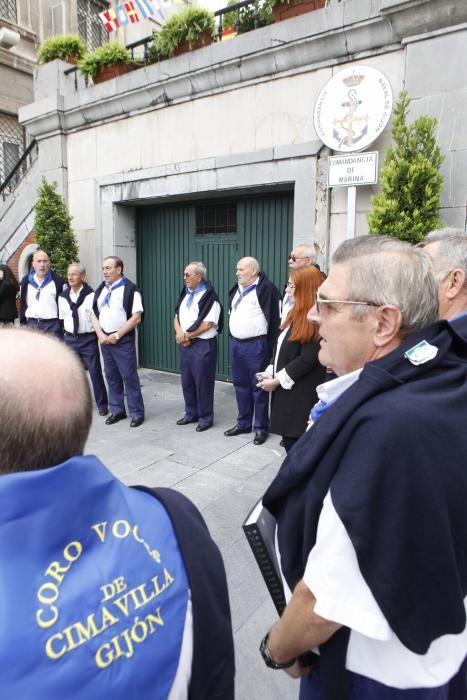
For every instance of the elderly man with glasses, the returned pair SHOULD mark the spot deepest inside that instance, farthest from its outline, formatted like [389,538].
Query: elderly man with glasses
[370,503]
[198,320]
[302,255]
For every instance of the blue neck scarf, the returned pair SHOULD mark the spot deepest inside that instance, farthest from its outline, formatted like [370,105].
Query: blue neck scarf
[110,288]
[246,291]
[94,596]
[191,293]
[39,287]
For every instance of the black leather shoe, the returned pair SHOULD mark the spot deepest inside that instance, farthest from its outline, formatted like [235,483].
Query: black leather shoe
[185,421]
[136,422]
[235,431]
[201,428]
[115,418]
[103,411]
[260,438]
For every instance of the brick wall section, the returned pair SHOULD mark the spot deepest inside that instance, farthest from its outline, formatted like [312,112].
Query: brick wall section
[14,260]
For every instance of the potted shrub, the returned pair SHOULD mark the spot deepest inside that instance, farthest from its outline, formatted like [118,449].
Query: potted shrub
[106,62]
[248,18]
[185,31]
[282,9]
[68,47]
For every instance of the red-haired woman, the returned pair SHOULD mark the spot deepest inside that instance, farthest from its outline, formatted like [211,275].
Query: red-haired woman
[295,371]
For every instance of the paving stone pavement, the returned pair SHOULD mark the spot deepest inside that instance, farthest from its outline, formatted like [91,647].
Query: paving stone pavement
[224,477]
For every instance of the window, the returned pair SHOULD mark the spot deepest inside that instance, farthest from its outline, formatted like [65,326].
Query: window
[12,145]
[58,19]
[216,218]
[8,10]
[90,27]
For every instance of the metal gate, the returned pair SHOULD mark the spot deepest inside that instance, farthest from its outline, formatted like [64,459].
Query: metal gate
[218,233]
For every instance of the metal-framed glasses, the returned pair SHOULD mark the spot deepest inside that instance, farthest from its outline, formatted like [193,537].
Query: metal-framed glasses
[294,258]
[321,303]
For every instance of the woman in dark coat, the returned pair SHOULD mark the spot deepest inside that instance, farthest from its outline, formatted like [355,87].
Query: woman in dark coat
[8,291]
[295,371]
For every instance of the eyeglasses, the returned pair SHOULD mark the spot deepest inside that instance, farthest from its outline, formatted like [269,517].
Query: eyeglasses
[190,274]
[322,302]
[294,258]
[290,285]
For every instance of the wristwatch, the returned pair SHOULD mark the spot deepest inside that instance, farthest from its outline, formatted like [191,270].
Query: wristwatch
[267,658]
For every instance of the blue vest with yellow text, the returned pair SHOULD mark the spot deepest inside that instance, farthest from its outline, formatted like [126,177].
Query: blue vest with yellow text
[93,588]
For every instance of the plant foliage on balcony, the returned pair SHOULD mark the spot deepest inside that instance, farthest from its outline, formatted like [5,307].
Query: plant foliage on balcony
[246,17]
[106,55]
[63,46]
[188,25]
[408,205]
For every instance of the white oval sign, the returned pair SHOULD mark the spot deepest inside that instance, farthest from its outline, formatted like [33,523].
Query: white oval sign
[353,108]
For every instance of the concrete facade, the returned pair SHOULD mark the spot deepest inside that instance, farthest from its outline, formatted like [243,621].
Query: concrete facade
[237,117]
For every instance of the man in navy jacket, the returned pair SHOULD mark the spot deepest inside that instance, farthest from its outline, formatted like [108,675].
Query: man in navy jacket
[370,502]
[111,591]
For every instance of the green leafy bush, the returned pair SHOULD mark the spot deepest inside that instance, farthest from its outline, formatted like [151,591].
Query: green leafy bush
[246,17]
[408,205]
[187,25]
[52,226]
[106,55]
[63,46]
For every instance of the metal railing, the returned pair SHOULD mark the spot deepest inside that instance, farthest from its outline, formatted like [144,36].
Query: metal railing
[25,161]
[257,16]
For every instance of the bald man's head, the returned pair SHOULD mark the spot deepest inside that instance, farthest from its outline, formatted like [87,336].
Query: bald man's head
[247,271]
[46,410]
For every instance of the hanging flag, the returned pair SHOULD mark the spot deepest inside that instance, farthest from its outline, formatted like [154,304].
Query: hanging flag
[130,12]
[109,20]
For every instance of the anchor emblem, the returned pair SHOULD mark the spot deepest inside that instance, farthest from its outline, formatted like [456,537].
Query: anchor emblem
[349,120]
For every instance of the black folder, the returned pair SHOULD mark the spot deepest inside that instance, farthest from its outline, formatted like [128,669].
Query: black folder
[260,531]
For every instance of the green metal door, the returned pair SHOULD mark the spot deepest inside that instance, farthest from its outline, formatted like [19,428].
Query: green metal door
[168,237]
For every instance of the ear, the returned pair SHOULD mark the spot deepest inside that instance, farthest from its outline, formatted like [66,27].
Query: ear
[388,323]
[455,283]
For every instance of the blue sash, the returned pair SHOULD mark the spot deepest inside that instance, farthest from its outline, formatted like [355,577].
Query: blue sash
[39,287]
[191,293]
[110,289]
[246,291]
[93,589]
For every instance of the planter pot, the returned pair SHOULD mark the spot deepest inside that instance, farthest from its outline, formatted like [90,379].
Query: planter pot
[204,40]
[109,72]
[284,10]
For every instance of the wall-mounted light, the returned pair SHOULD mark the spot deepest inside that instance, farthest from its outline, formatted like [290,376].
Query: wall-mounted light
[8,38]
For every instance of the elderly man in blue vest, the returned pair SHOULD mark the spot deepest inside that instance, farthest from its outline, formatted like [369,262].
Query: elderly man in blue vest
[39,292]
[198,320]
[117,310]
[254,304]
[109,591]
[370,503]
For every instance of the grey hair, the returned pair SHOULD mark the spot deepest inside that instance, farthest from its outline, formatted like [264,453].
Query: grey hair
[451,254]
[308,250]
[255,264]
[440,234]
[82,268]
[199,268]
[385,270]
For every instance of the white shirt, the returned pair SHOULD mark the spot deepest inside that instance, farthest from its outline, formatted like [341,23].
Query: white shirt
[46,305]
[84,312]
[287,305]
[343,596]
[112,316]
[187,315]
[247,320]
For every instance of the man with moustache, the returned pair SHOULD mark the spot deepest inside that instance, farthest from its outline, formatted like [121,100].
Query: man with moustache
[117,310]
